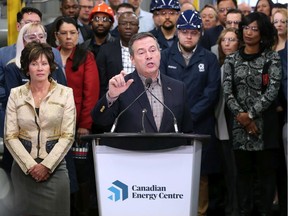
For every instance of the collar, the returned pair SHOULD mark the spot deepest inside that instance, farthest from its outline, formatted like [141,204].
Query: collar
[122,45]
[186,55]
[154,82]
[79,23]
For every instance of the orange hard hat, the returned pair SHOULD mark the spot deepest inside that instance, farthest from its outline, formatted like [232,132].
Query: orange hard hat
[102,8]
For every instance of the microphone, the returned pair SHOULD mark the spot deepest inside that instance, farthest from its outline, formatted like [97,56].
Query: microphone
[148,82]
[144,111]
[165,106]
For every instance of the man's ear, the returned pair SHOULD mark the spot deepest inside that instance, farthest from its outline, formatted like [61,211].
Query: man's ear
[132,60]
[18,26]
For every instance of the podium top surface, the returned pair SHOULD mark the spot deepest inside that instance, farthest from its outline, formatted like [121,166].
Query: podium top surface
[145,141]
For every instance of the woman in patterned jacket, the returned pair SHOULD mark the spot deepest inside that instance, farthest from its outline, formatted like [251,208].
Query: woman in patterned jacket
[252,78]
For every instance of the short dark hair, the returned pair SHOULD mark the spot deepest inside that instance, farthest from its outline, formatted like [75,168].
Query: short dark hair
[32,51]
[140,36]
[80,53]
[234,1]
[235,11]
[65,19]
[28,10]
[125,5]
[268,32]
[62,1]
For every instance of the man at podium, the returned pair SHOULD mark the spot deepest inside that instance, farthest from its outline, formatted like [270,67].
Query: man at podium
[145,100]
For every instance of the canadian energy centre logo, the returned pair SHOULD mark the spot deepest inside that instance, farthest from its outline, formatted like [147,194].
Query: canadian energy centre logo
[119,191]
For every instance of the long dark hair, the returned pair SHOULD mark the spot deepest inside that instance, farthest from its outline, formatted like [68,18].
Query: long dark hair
[268,32]
[271,5]
[80,53]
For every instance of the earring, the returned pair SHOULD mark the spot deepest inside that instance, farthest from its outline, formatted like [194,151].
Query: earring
[27,74]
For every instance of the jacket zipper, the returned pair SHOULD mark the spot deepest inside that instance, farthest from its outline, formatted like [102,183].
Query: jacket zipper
[38,137]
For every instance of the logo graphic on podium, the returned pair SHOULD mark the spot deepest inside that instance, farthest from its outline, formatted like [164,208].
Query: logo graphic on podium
[117,190]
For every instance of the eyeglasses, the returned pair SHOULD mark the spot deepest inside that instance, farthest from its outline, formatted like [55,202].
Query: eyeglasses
[30,21]
[66,33]
[186,32]
[222,10]
[252,28]
[86,7]
[101,19]
[230,22]
[170,13]
[35,36]
[281,21]
[124,24]
[229,40]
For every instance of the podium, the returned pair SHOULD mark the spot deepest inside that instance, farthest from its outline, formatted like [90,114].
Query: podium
[147,174]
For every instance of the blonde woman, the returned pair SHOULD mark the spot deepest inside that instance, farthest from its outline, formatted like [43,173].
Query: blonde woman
[279,19]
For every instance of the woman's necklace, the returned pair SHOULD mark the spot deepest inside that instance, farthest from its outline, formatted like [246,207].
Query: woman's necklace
[39,95]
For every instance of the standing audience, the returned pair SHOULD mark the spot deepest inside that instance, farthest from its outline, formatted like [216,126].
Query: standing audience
[82,76]
[264,6]
[227,43]
[209,16]
[169,12]
[39,131]
[111,63]
[198,68]
[146,22]
[101,19]
[122,8]
[211,35]
[252,79]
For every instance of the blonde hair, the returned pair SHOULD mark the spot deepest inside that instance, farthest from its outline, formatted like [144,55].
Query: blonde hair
[282,11]
[20,39]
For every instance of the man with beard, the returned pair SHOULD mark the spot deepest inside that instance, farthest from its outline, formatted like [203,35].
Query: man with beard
[168,11]
[101,19]
[114,57]
[199,69]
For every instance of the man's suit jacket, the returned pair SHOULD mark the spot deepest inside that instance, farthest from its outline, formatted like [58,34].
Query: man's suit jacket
[210,37]
[109,63]
[175,98]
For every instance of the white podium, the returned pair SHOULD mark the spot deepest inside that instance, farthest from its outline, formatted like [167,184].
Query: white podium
[147,174]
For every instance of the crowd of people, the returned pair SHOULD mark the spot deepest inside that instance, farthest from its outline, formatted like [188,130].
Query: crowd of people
[221,69]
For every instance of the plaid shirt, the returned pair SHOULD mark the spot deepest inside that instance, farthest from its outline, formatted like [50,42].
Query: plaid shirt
[128,67]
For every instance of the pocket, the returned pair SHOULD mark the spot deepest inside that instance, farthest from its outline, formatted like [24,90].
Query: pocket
[27,144]
[50,145]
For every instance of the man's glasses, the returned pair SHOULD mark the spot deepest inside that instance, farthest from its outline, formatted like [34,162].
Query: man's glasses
[86,7]
[252,28]
[171,13]
[101,19]
[234,22]
[35,36]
